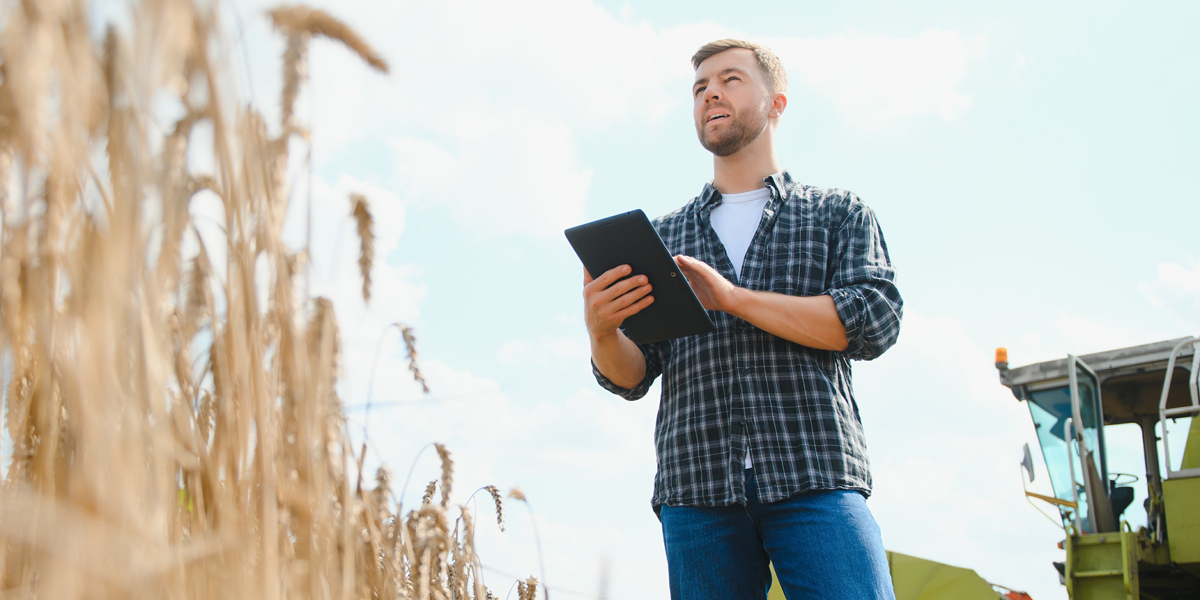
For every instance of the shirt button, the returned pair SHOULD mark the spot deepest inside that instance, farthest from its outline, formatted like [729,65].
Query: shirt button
[746,370]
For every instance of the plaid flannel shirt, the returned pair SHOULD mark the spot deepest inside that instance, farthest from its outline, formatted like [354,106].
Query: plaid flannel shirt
[741,389]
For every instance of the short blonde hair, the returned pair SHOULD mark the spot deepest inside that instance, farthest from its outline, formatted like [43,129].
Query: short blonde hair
[772,69]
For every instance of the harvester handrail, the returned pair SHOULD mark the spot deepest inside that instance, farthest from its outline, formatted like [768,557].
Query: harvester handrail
[1069,430]
[1193,409]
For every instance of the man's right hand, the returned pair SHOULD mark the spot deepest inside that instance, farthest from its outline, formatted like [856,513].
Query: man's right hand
[608,302]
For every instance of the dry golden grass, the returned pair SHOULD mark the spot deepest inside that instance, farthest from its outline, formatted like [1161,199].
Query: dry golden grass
[173,436]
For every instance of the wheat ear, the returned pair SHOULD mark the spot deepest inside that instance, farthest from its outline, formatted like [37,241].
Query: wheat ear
[527,590]
[495,492]
[429,489]
[447,473]
[410,346]
[314,21]
[366,239]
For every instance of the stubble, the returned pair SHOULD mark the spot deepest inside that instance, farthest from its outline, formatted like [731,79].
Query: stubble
[741,131]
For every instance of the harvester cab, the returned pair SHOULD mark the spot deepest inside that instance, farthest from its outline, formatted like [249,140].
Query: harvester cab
[1073,402]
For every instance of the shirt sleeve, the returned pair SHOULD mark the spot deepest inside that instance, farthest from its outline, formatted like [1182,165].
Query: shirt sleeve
[863,286]
[653,355]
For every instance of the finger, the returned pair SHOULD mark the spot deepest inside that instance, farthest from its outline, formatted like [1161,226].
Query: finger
[624,286]
[611,275]
[696,266]
[689,264]
[587,277]
[614,274]
[634,308]
[692,274]
[701,286]
[629,297]
[621,288]
[611,313]
[605,308]
[684,260]
[699,270]
[604,304]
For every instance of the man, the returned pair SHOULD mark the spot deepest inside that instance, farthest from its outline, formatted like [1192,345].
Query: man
[761,453]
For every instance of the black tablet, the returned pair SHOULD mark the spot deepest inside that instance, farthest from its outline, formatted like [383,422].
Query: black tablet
[630,239]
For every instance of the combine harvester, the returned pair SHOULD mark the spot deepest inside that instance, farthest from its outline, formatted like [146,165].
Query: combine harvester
[921,579]
[1072,402]
[1106,559]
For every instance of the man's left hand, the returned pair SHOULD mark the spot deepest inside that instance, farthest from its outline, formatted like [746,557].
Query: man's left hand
[711,288]
[810,321]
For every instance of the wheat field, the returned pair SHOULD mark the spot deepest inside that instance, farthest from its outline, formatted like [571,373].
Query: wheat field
[172,427]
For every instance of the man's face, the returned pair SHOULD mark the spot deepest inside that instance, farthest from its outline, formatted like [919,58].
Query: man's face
[730,101]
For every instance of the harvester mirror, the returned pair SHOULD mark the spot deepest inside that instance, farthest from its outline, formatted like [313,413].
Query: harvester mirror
[1027,462]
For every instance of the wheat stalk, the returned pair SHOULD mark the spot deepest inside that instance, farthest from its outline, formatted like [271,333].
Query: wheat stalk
[516,494]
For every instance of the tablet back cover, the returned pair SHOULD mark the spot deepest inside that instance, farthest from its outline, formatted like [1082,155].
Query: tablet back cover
[630,239]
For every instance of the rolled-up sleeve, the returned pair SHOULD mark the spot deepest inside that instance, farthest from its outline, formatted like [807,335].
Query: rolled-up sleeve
[653,355]
[863,286]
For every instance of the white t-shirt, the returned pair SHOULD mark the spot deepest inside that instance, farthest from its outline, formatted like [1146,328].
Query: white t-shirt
[736,220]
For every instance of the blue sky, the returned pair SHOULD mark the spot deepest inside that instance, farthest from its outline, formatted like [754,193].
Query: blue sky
[1032,165]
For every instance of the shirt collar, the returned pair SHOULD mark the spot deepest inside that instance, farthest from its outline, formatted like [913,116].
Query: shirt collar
[782,183]
[779,183]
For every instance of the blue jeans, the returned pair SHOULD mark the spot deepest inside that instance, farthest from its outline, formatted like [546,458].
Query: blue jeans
[823,545]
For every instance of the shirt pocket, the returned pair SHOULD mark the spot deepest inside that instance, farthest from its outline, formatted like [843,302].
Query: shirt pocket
[797,261]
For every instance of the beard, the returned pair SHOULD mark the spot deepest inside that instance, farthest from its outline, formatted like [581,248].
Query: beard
[742,130]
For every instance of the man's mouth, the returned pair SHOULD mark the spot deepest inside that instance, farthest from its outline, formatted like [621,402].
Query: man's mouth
[715,116]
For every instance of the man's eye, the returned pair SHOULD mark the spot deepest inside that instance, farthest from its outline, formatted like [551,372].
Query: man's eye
[734,78]
[697,91]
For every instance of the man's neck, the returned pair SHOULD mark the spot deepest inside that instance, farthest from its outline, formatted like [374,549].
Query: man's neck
[745,170]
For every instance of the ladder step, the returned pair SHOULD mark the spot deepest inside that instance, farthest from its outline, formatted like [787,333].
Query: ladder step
[1109,573]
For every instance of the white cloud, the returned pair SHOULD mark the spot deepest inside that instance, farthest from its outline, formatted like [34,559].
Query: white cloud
[1020,61]
[600,68]
[1080,333]
[1084,335]
[508,172]
[503,157]
[488,102]
[1175,291]
[574,61]
[545,350]
[879,82]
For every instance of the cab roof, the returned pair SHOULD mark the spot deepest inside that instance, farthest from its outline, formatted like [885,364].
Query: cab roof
[1131,379]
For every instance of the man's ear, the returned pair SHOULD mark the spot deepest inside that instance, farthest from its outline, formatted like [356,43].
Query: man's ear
[778,104]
